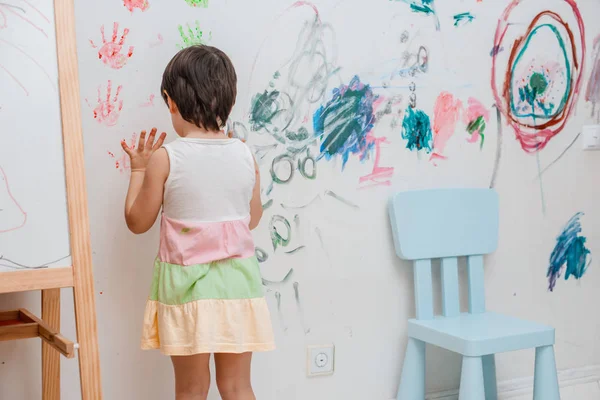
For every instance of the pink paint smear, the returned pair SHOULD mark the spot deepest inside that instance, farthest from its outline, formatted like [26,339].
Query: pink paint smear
[159,42]
[150,102]
[446,114]
[110,52]
[379,176]
[107,111]
[14,201]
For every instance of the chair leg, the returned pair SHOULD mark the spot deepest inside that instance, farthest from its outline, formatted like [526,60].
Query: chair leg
[471,379]
[412,381]
[545,382]
[489,377]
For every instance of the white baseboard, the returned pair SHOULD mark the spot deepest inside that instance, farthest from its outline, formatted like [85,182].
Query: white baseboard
[524,386]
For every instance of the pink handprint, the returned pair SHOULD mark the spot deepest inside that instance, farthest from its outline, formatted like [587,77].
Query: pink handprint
[110,52]
[133,4]
[107,111]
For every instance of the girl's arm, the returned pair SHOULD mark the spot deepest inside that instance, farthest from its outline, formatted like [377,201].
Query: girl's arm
[149,172]
[256,209]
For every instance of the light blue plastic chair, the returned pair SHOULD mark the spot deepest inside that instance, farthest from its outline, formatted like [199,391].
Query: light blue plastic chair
[446,224]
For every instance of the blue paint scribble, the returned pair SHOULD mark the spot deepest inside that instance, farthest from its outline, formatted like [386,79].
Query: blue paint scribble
[463,18]
[425,7]
[416,128]
[570,250]
[345,121]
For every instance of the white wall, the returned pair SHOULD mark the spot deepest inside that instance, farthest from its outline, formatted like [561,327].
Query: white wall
[354,292]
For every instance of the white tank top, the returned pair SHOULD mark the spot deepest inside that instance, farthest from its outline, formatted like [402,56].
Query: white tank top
[210,180]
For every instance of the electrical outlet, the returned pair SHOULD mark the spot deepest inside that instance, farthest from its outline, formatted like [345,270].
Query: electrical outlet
[320,360]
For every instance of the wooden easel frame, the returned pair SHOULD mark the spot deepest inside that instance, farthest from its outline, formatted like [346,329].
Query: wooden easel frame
[78,276]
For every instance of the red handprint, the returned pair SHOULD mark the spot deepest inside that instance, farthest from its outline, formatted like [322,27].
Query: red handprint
[108,110]
[110,52]
[133,4]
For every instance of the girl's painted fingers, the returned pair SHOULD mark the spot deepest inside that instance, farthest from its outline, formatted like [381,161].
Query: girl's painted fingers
[150,142]
[126,148]
[142,140]
[160,141]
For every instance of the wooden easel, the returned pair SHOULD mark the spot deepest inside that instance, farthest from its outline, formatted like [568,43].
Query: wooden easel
[21,324]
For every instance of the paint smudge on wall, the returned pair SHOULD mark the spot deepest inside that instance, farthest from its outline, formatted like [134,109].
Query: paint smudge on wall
[446,113]
[276,226]
[416,129]
[476,118]
[193,35]
[197,3]
[122,164]
[538,89]
[108,109]
[424,7]
[12,216]
[150,102]
[344,122]
[463,18]
[159,41]
[570,254]
[379,176]
[131,5]
[592,93]
[110,51]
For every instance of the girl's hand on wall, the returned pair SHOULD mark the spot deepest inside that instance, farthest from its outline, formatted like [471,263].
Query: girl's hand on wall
[141,155]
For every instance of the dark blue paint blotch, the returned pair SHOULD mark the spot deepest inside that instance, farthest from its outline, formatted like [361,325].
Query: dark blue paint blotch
[416,129]
[569,250]
[344,123]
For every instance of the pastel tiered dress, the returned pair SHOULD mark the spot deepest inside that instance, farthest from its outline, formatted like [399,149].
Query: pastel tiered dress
[206,294]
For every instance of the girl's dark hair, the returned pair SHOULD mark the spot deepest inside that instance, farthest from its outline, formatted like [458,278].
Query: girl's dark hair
[202,82]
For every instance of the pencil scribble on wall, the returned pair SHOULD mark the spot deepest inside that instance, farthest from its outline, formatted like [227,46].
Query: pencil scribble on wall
[592,93]
[537,82]
[569,256]
[110,52]
[284,109]
[12,215]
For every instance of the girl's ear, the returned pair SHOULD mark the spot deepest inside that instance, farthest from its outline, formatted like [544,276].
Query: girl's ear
[171,104]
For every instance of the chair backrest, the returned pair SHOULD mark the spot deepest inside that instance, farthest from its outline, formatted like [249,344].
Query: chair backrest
[446,224]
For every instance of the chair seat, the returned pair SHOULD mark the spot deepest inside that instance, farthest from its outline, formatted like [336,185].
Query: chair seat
[481,334]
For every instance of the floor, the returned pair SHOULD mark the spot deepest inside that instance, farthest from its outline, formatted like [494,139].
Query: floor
[586,391]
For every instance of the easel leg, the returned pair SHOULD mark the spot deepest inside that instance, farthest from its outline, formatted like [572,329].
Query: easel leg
[50,357]
[87,336]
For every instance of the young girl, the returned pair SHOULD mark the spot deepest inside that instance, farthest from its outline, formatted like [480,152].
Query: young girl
[206,296]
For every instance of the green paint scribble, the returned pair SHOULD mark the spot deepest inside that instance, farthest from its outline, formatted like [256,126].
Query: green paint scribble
[416,129]
[276,238]
[463,18]
[534,91]
[477,124]
[185,230]
[267,204]
[194,36]
[425,7]
[197,3]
